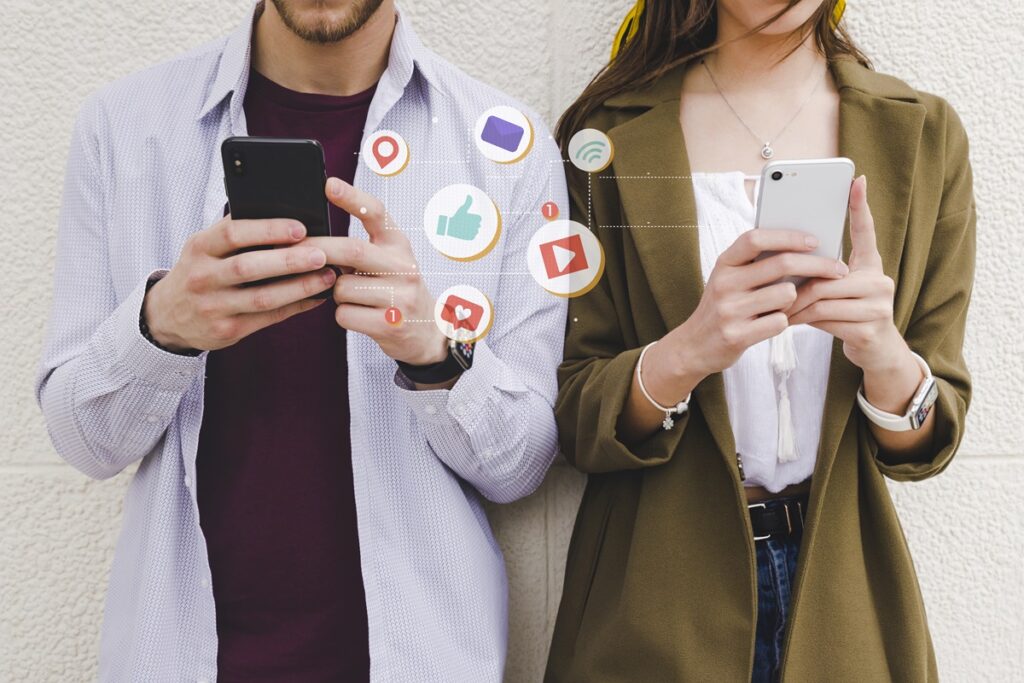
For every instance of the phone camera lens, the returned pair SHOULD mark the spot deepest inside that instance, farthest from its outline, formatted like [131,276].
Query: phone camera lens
[777,175]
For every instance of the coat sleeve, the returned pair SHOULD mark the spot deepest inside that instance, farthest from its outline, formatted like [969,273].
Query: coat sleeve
[601,353]
[938,322]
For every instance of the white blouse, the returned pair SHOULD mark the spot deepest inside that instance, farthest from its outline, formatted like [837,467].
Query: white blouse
[752,387]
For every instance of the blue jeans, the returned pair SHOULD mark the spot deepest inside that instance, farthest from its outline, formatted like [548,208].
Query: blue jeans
[776,571]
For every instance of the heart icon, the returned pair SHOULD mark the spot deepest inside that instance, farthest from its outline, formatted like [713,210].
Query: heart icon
[461,312]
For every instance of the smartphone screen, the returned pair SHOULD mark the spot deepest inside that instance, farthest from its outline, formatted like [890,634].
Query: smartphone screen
[810,195]
[268,177]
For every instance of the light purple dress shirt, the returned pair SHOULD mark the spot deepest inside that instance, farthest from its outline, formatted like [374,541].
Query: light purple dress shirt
[143,174]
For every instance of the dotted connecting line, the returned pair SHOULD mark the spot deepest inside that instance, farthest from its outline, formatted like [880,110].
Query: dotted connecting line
[441,272]
[388,287]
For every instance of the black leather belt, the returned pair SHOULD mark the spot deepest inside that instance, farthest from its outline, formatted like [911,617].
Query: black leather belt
[779,518]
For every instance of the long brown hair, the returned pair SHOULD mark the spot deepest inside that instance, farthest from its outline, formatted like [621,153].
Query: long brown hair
[672,32]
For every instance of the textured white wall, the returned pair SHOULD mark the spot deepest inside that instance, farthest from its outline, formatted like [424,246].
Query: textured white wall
[57,529]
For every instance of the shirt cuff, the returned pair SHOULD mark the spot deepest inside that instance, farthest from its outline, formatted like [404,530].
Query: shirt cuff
[461,404]
[145,361]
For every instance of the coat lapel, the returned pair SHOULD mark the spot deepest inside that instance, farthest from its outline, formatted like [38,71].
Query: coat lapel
[880,125]
[652,174]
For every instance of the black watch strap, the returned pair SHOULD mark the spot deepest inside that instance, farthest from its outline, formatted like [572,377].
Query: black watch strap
[144,328]
[458,360]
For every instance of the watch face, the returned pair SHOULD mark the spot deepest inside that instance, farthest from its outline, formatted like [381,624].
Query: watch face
[923,404]
[463,352]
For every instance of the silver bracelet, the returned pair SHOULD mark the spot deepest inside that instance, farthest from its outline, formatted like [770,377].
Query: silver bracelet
[677,409]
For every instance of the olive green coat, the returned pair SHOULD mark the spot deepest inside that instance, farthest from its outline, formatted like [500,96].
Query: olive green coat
[660,581]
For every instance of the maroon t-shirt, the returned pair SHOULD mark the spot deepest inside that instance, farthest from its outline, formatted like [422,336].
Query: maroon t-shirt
[274,467]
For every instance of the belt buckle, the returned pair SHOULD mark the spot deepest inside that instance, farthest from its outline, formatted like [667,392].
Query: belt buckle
[751,506]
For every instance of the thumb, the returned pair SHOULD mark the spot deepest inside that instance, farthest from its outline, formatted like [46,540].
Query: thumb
[464,209]
[864,253]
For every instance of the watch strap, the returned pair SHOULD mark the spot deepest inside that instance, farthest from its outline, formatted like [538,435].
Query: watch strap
[902,423]
[458,360]
[148,335]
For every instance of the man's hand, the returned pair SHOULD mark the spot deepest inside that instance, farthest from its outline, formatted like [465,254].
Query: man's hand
[377,275]
[201,303]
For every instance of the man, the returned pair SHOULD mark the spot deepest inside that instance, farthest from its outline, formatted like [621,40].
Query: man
[262,421]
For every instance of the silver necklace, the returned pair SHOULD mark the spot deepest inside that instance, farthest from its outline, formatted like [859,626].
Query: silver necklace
[767,152]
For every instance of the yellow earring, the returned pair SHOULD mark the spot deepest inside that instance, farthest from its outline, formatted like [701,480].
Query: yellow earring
[629,28]
[837,13]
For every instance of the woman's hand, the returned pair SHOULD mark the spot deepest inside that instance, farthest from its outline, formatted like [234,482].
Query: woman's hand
[858,308]
[742,304]
[744,301]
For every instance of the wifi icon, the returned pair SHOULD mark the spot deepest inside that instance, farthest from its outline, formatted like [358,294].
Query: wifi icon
[590,150]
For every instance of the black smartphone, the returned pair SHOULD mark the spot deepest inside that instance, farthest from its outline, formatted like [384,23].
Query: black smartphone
[268,177]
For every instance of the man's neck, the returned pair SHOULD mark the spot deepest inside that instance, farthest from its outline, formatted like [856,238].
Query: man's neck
[346,67]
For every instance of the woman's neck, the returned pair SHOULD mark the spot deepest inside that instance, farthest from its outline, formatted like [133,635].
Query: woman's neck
[761,62]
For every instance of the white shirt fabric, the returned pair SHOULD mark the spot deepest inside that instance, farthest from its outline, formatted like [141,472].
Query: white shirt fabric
[144,173]
[724,212]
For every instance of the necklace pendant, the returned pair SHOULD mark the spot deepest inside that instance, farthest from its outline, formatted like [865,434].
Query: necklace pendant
[767,152]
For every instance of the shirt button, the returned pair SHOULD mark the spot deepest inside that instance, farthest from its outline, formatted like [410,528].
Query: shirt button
[204,582]
[151,419]
[486,453]
[430,410]
[188,481]
[203,680]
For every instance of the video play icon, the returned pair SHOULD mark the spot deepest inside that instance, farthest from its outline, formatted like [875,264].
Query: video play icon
[563,256]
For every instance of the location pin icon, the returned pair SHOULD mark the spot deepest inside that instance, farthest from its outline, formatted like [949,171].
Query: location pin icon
[385,149]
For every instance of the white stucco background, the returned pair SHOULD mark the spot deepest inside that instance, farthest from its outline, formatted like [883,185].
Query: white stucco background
[57,528]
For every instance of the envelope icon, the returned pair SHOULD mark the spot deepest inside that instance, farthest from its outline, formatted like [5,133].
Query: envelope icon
[501,133]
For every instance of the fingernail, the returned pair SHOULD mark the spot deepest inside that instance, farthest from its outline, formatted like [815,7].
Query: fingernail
[317,258]
[334,186]
[811,241]
[842,268]
[297,231]
[328,277]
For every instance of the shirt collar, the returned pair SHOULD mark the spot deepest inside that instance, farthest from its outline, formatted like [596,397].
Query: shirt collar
[406,56]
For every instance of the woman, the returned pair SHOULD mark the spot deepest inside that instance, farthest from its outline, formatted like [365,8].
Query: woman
[736,525]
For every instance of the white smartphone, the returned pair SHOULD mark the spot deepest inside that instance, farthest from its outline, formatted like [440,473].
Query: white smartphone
[810,195]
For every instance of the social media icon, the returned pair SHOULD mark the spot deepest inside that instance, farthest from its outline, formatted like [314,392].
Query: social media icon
[463,314]
[503,134]
[462,222]
[385,152]
[563,256]
[549,210]
[590,150]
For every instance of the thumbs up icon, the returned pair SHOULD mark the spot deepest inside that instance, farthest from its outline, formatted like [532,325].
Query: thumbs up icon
[462,222]
[461,225]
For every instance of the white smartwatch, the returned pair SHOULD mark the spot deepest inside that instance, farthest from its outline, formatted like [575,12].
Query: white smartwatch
[920,405]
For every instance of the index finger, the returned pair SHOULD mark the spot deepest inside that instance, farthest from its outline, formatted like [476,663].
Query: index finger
[752,243]
[364,206]
[360,255]
[228,235]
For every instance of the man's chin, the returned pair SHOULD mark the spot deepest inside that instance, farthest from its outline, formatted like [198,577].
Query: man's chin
[325,22]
